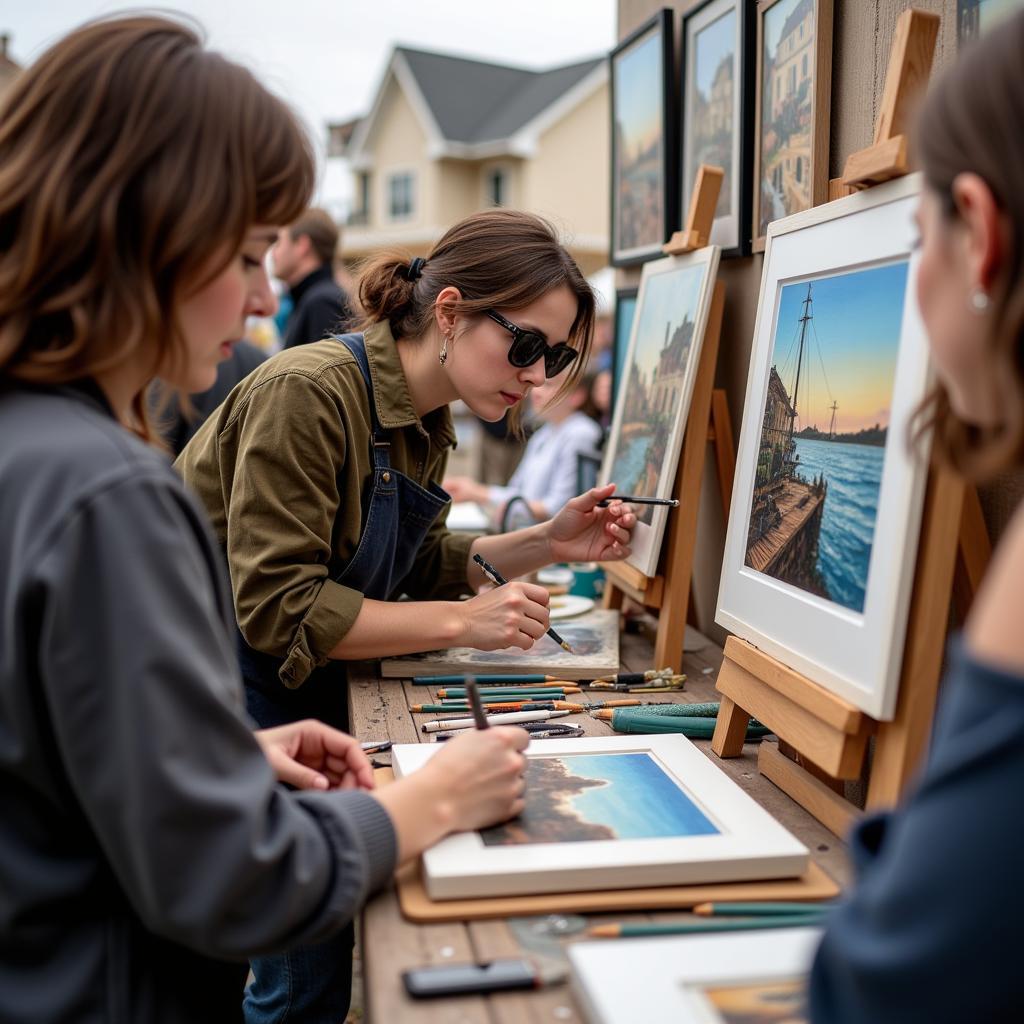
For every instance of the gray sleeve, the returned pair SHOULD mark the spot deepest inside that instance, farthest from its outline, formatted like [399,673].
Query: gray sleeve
[143,690]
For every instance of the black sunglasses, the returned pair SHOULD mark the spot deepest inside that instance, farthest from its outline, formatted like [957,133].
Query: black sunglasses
[528,346]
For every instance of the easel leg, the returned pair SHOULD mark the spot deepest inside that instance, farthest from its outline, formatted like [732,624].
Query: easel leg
[730,730]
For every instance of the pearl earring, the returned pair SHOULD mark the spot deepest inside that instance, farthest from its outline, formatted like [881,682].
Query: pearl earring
[979,301]
[442,357]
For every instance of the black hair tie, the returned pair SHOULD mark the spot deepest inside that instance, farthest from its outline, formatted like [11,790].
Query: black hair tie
[414,271]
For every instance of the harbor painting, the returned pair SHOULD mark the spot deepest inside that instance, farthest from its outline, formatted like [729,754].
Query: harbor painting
[639,188]
[824,432]
[653,386]
[585,797]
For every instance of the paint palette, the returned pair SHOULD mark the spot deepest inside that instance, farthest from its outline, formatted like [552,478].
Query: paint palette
[565,606]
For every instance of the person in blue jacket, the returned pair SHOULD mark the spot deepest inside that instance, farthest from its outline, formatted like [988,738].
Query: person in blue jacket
[931,932]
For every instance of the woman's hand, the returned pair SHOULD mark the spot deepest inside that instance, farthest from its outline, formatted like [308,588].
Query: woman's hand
[583,532]
[513,615]
[311,755]
[474,782]
[463,488]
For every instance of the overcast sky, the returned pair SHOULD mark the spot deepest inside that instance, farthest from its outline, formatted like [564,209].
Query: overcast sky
[326,57]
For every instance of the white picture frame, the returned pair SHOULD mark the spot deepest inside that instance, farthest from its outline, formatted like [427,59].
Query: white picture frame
[854,652]
[674,292]
[659,980]
[748,843]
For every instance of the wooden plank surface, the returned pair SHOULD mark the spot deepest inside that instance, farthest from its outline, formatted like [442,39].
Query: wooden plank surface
[389,944]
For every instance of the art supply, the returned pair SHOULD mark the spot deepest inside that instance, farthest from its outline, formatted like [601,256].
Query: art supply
[662,677]
[497,709]
[537,731]
[697,721]
[760,909]
[635,677]
[475,979]
[673,682]
[510,718]
[627,931]
[474,702]
[485,680]
[668,502]
[506,692]
[499,581]
[375,746]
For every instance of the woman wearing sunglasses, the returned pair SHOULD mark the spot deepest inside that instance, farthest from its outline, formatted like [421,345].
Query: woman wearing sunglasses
[320,474]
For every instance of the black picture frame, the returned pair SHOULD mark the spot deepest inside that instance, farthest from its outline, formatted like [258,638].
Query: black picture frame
[732,233]
[630,251]
[625,298]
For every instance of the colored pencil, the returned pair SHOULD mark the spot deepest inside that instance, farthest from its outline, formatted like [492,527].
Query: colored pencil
[759,909]
[626,931]
[499,693]
[511,718]
[670,502]
[544,705]
[474,702]
[499,581]
[486,680]
[375,746]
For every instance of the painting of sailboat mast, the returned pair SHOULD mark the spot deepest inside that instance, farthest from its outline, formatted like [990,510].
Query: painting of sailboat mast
[825,431]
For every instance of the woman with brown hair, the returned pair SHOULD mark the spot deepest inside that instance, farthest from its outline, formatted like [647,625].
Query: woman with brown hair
[144,840]
[320,473]
[931,931]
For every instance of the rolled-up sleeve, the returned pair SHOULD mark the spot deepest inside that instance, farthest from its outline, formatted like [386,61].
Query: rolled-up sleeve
[281,516]
[143,690]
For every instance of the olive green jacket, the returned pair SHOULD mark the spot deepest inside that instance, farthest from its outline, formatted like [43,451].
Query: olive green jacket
[281,467]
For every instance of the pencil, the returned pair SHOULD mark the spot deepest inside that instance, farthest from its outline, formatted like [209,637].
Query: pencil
[506,692]
[487,680]
[499,581]
[758,909]
[474,702]
[626,931]
[511,718]
[670,502]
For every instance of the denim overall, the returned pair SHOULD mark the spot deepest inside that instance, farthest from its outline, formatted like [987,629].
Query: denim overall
[313,984]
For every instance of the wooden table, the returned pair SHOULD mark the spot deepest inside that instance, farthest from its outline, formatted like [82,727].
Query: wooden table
[390,944]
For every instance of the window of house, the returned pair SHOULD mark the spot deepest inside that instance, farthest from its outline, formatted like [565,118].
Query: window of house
[496,186]
[400,196]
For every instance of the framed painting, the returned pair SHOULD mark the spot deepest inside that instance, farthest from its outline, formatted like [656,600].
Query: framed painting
[594,637]
[975,17]
[735,978]
[612,812]
[717,112]
[625,310]
[794,89]
[643,174]
[653,398]
[826,510]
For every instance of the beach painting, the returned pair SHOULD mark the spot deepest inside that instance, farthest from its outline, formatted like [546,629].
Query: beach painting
[588,797]
[593,636]
[652,400]
[640,148]
[825,431]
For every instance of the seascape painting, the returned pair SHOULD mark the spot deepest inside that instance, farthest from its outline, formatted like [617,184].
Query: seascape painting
[593,636]
[824,432]
[650,395]
[786,111]
[782,1001]
[710,118]
[585,797]
[639,145]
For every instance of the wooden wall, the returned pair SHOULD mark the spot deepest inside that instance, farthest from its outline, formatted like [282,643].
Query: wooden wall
[862,37]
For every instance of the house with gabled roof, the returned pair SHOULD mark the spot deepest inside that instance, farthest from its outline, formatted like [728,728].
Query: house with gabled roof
[447,136]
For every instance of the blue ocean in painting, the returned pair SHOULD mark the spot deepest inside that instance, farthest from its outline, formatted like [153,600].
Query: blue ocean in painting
[854,475]
[630,466]
[640,801]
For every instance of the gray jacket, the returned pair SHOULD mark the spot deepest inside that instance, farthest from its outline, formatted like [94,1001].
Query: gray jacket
[143,839]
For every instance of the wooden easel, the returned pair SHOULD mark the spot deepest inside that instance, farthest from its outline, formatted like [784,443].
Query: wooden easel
[708,420]
[830,734]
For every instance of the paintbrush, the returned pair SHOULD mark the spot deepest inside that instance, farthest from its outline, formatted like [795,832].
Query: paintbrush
[499,581]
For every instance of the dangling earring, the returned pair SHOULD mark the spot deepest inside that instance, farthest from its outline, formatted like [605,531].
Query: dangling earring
[979,301]
[442,357]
